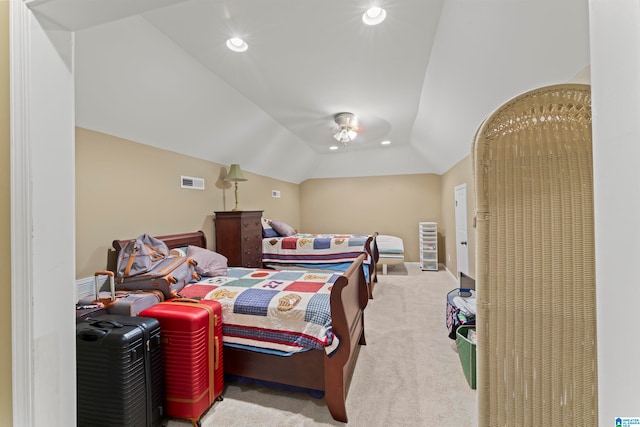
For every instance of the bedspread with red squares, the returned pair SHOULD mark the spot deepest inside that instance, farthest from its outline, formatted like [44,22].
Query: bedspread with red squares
[313,248]
[283,311]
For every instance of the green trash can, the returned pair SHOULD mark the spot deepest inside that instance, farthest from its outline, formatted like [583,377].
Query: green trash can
[466,343]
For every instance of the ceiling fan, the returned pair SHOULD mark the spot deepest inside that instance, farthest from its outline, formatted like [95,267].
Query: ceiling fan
[315,126]
[347,127]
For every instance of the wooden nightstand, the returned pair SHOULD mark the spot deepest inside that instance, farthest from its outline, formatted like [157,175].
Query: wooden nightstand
[239,237]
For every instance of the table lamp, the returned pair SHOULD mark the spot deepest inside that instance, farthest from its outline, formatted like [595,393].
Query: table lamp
[235,175]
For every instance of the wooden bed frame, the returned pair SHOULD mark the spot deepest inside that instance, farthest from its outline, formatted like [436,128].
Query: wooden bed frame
[312,369]
[372,249]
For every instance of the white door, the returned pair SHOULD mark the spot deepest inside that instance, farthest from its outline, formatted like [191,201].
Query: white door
[462,246]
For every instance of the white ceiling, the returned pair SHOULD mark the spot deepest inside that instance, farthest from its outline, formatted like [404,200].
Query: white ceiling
[158,72]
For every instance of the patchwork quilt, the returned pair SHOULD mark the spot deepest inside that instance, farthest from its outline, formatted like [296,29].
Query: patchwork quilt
[313,248]
[274,310]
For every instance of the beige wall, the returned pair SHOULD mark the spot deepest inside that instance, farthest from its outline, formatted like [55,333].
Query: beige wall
[5,223]
[124,189]
[461,173]
[387,204]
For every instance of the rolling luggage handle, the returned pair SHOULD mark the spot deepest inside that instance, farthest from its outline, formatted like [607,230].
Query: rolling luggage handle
[106,302]
[113,301]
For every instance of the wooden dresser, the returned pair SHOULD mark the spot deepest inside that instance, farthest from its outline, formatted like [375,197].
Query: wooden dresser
[239,237]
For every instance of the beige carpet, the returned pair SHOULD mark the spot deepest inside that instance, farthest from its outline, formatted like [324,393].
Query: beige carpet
[395,270]
[408,374]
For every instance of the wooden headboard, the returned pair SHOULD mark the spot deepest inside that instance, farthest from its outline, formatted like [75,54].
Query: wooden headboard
[196,238]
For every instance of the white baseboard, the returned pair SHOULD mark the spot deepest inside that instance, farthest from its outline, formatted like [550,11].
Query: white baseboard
[453,276]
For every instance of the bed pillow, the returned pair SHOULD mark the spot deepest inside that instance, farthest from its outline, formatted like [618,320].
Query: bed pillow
[283,229]
[210,263]
[267,229]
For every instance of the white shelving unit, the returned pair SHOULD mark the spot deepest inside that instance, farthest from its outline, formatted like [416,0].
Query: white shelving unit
[428,245]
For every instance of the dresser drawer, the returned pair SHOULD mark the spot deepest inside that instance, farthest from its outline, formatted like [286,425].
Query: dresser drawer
[239,237]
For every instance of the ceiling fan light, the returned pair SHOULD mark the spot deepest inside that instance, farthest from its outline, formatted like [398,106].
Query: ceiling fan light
[347,130]
[374,15]
[341,136]
[345,135]
[237,44]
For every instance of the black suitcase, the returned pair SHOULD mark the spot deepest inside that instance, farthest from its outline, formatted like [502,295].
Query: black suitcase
[119,372]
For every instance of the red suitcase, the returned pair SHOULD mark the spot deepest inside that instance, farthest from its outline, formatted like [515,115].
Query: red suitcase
[192,350]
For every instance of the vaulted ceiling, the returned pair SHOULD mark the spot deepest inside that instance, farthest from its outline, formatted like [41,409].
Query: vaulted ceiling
[158,72]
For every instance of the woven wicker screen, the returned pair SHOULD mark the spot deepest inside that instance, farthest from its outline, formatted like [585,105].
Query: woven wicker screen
[536,320]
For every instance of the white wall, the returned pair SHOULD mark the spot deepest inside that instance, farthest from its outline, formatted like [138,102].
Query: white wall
[615,76]
[134,83]
[164,82]
[43,224]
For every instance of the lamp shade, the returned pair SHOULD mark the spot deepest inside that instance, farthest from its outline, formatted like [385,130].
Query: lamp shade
[235,174]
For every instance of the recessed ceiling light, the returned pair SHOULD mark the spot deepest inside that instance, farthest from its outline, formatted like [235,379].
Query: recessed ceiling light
[385,142]
[374,15]
[333,147]
[237,44]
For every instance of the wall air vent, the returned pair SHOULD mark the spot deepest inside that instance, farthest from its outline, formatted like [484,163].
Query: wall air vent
[87,286]
[191,182]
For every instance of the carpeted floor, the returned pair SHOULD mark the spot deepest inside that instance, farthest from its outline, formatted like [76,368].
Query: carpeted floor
[395,270]
[408,374]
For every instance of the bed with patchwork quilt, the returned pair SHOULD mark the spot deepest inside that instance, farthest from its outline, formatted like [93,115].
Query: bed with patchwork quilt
[295,328]
[318,251]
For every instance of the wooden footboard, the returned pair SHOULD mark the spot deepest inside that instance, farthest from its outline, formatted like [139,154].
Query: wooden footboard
[312,369]
[349,298]
[374,253]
